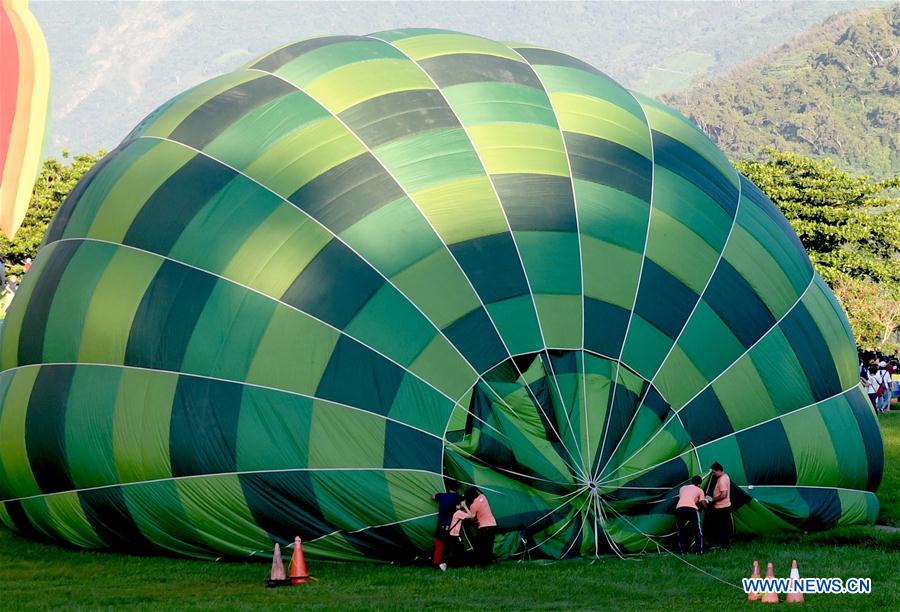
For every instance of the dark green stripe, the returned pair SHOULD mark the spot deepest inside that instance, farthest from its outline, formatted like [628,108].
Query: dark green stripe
[279,58]
[217,114]
[45,428]
[386,118]
[203,431]
[457,68]
[608,163]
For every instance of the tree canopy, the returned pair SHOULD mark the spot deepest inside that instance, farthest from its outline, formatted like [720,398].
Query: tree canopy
[56,180]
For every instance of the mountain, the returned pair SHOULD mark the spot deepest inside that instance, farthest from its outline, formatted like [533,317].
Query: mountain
[833,91]
[114,62]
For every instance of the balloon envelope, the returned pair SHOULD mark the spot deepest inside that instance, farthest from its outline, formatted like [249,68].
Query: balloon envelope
[300,296]
[24,102]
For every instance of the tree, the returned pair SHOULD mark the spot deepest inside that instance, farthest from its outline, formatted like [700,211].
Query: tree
[850,226]
[56,180]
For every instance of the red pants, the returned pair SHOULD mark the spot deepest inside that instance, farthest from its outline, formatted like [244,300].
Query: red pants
[438,550]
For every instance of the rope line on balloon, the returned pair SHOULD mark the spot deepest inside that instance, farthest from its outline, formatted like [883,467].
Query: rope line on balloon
[728,435]
[583,456]
[190,477]
[677,556]
[637,287]
[690,316]
[722,373]
[581,471]
[461,450]
[554,534]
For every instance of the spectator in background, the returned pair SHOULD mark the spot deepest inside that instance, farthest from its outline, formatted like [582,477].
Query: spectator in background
[883,389]
[27,265]
[870,385]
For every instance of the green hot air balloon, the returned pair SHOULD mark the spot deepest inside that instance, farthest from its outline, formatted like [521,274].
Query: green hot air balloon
[299,296]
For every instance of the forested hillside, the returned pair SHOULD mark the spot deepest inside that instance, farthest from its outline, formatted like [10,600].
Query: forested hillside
[833,91]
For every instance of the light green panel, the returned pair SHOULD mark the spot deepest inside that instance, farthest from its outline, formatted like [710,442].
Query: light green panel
[463,209]
[331,425]
[441,43]
[115,300]
[18,479]
[681,252]
[816,463]
[68,516]
[318,62]
[488,102]
[679,379]
[141,423]
[349,85]
[437,286]
[90,410]
[599,118]
[510,148]
[832,322]
[307,340]
[304,154]
[425,159]
[610,272]
[442,366]
[761,271]
[560,317]
[645,347]
[12,325]
[611,215]
[743,395]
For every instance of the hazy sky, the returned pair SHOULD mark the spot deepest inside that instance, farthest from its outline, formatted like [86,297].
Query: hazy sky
[114,62]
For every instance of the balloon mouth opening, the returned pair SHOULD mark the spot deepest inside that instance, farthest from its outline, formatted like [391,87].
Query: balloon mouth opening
[562,444]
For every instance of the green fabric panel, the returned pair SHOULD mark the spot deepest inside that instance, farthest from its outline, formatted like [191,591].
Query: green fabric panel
[304,154]
[600,118]
[90,410]
[668,121]
[417,406]
[18,479]
[561,319]
[744,396]
[435,42]
[440,364]
[223,224]
[726,451]
[115,300]
[816,461]
[512,148]
[391,325]
[351,84]
[611,215]
[706,329]
[273,255]
[423,160]
[646,348]
[610,272]
[70,307]
[183,105]
[844,436]
[12,325]
[228,332]
[832,322]
[679,379]
[681,252]
[98,191]
[352,500]
[762,271]
[759,225]
[562,78]
[411,238]
[671,441]
[462,209]
[156,509]
[330,425]
[492,102]
[318,62]
[686,203]
[856,507]
[291,333]
[244,141]
[784,501]
[126,199]
[217,511]
[140,430]
[437,286]
[781,371]
[35,509]
[517,323]
[283,421]
[67,514]
[552,261]
[756,519]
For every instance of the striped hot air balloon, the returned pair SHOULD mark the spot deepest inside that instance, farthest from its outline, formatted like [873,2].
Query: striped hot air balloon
[24,103]
[300,295]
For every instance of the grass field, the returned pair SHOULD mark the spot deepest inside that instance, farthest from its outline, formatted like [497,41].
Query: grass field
[40,575]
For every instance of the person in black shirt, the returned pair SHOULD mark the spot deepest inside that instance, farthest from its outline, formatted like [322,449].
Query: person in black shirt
[446,502]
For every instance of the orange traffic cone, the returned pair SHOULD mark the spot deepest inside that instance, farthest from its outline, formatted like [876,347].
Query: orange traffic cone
[299,575]
[770,596]
[276,576]
[794,596]
[754,595]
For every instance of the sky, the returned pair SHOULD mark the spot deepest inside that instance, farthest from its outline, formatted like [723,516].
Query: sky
[114,62]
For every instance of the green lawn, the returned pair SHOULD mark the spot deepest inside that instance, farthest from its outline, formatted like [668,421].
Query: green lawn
[40,575]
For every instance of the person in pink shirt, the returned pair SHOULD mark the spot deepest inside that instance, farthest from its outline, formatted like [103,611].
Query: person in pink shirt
[687,516]
[455,549]
[718,524]
[487,525]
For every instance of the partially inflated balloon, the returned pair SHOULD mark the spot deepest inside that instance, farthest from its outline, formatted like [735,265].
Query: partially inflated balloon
[299,296]
[24,100]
